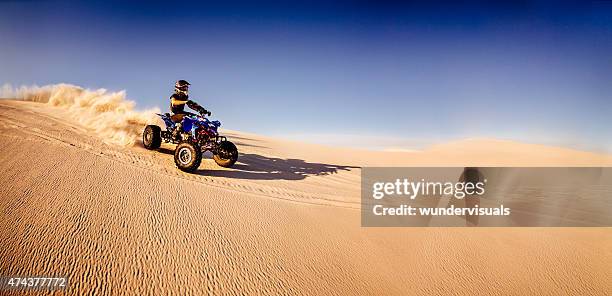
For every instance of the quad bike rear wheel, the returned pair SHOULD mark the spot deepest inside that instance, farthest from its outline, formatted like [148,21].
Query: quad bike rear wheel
[187,156]
[226,154]
[151,137]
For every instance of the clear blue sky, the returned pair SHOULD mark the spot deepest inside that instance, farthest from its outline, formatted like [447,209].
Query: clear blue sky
[530,71]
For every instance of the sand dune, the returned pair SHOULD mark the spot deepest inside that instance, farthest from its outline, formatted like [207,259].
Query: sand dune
[122,219]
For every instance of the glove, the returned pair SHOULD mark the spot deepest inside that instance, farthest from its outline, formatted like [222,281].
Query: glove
[204,112]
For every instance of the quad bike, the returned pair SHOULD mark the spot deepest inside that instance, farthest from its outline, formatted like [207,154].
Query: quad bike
[197,135]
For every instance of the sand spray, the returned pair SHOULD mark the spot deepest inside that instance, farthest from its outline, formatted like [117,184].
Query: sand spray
[109,114]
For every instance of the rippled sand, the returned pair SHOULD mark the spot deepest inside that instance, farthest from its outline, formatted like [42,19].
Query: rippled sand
[285,220]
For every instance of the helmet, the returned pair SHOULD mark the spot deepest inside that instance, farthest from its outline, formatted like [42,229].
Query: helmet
[181,86]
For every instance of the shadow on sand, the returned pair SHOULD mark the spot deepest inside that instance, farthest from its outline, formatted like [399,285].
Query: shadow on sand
[166,150]
[258,167]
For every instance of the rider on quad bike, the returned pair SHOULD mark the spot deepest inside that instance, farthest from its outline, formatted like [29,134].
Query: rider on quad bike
[178,100]
[193,134]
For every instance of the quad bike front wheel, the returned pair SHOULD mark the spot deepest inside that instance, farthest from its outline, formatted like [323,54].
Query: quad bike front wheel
[226,154]
[187,156]
[151,137]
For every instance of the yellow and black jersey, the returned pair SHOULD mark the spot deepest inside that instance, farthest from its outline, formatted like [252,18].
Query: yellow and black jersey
[177,103]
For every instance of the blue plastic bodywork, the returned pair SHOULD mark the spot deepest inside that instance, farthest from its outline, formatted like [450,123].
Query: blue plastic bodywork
[166,118]
[191,123]
[188,123]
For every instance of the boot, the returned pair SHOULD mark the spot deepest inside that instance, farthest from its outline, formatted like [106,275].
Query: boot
[177,131]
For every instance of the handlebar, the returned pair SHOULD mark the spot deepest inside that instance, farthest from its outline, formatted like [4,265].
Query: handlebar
[202,113]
